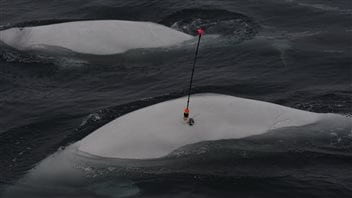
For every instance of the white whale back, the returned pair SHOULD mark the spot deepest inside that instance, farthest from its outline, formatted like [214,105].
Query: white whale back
[94,37]
[157,130]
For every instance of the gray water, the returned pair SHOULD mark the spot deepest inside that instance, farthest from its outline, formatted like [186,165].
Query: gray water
[294,53]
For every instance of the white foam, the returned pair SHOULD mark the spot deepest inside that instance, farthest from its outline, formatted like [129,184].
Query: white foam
[157,130]
[94,37]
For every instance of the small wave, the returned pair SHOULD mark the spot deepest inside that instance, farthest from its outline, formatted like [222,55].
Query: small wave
[93,117]
[334,102]
[322,7]
[219,22]
[66,60]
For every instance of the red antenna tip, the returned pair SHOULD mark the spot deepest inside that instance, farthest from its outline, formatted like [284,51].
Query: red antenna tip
[200,32]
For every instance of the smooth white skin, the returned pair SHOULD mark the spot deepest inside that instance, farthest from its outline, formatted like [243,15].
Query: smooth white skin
[159,129]
[94,37]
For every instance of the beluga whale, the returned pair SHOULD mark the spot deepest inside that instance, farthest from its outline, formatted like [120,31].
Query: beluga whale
[99,37]
[157,136]
[154,132]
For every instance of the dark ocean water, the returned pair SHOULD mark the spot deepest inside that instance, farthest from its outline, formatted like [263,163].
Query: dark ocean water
[296,53]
